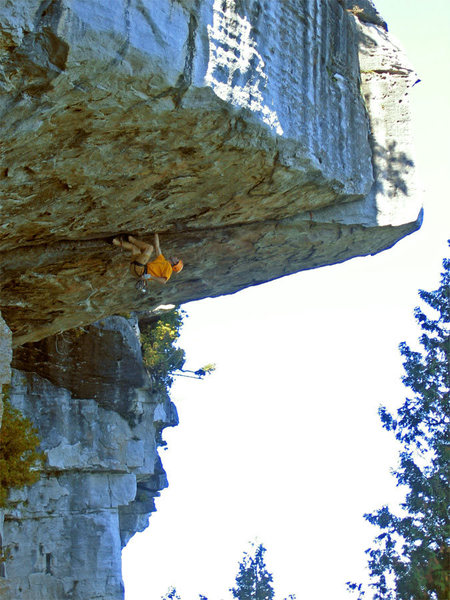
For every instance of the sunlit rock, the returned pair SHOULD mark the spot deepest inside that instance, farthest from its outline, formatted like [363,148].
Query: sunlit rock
[258,139]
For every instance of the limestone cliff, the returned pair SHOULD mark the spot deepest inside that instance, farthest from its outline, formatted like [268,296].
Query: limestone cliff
[5,380]
[237,129]
[100,434]
[258,138]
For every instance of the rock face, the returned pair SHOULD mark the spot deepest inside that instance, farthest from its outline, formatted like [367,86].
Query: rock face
[103,470]
[258,138]
[5,360]
[235,128]
[5,380]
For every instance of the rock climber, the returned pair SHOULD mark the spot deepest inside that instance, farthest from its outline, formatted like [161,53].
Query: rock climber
[160,269]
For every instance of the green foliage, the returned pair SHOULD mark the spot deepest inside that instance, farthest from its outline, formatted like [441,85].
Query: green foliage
[410,558]
[171,594]
[5,554]
[198,374]
[159,352]
[19,457]
[253,580]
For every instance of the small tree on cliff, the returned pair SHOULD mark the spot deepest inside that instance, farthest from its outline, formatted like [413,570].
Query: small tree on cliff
[20,459]
[410,558]
[160,354]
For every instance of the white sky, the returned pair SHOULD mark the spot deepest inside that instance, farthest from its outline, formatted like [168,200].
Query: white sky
[283,442]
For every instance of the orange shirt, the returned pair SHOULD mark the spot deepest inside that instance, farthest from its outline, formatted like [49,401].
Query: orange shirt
[160,267]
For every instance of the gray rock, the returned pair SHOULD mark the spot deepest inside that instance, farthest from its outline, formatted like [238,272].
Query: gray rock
[236,130]
[5,379]
[73,360]
[365,11]
[386,79]
[103,470]
[5,353]
[258,139]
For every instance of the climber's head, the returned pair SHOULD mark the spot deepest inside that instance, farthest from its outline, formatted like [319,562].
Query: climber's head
[177,264]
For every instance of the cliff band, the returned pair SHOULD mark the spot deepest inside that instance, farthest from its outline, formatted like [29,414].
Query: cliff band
[258,138]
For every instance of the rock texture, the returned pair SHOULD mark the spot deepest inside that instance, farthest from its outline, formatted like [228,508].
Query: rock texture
[258,138]
[5,380]
[103,470]
[5,353]
[236,128]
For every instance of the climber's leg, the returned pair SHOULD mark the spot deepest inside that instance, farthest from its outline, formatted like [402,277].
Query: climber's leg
[144,250]
[135,250]
[143,257]
[140,253]
[140,244]
[137,265]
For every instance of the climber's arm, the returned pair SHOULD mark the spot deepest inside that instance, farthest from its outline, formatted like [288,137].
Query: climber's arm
[162,280]
[157,246]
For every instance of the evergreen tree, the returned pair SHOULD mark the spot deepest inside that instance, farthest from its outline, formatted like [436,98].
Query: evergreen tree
[253,581]
[171,594]
[410,558]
